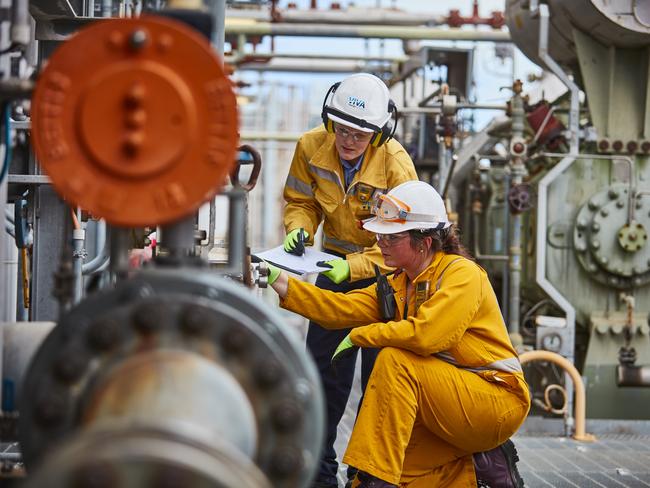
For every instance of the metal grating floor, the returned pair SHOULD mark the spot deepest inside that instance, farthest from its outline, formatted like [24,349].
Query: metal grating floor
[611,461]
[615,460]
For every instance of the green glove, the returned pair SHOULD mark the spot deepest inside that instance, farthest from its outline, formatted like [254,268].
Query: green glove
[292,241]
[345,349]
[274,273]
[339,269]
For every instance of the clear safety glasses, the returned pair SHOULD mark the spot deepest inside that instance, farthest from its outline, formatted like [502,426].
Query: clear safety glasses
[390,239]
[357,137]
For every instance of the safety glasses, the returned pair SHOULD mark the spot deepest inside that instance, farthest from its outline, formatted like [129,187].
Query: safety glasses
[357,137]
[390,209]
[390,239]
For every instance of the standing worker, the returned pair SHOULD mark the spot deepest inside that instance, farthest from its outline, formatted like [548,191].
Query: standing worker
[447,390]
[338,170]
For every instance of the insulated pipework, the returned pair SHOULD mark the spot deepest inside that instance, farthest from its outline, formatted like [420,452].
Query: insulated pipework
[517,173]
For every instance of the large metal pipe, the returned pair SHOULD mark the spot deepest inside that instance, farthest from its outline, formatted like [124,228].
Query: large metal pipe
[364,32]
[580,433]
[574,111]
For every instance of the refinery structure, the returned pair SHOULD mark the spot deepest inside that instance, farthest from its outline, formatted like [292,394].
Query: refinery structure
[145,148]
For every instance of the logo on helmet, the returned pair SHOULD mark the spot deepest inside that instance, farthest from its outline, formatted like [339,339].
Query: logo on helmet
[356,102]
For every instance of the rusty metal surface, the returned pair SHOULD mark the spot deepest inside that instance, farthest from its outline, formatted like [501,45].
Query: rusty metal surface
[135,121]
[102,362]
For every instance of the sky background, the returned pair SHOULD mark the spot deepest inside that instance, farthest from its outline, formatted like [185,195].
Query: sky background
[492,73]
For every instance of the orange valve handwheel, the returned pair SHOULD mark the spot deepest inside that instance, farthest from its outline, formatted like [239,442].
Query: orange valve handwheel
[135,121]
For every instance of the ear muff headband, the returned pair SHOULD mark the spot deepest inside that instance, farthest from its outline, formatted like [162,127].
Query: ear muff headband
[382,134]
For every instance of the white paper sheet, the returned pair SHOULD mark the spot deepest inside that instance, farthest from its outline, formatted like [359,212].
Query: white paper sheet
[296,264]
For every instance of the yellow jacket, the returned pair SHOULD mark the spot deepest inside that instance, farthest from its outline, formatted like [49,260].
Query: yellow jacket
[460,322]
[315,192]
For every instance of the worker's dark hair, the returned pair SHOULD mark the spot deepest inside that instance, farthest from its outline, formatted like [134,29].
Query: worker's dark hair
[445,240]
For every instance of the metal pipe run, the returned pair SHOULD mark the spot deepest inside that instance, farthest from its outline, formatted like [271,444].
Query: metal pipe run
[20,32]
[363,31]
[635,376]
[580,396]
[437,108]
[574,112]
[103,244]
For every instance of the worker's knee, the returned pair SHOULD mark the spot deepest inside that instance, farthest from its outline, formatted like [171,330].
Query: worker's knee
[392,356]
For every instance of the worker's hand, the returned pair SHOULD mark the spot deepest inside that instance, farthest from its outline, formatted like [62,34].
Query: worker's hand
[293,240]
[339,269]
[274,273]
[345,349]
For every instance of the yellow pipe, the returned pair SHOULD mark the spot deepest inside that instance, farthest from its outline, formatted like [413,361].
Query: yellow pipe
[581,403]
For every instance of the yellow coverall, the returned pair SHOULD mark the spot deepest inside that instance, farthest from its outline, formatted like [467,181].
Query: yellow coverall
[315,192]
[446,384]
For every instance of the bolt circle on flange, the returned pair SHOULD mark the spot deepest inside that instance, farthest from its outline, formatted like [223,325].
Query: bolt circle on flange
[612,254]
[139,128]
[177,318]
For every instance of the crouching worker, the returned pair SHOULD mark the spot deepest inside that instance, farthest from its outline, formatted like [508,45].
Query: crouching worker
[447,390]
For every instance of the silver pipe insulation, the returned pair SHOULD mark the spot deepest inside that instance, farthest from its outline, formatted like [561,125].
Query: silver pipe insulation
[540,259]
[237,230]
[21,29]
[107,8]
[78,255]
[574,148]
[363,31]
[517,171]
[437,108]
[103,245]
[574,111]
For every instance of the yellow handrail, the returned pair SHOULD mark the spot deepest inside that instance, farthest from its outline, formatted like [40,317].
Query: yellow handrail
[580,399]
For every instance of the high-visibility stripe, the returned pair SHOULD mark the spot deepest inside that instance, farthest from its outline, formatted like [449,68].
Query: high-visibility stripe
[347,246]
[509,365]
[326,174]
[299,186]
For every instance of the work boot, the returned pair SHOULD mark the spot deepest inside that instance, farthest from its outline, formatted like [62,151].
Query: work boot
[497,468]
[369,481]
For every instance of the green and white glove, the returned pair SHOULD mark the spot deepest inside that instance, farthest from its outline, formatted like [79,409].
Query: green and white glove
[345,349]
[339,269]
[292,241]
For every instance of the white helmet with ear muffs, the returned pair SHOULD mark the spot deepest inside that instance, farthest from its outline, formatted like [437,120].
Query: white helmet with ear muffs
[411,205]
[361,101]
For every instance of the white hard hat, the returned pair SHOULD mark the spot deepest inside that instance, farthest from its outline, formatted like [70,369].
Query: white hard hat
[411,205]
[361,101]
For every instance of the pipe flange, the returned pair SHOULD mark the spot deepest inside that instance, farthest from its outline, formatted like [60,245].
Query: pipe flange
[107,351]
[135,120]
[599,239]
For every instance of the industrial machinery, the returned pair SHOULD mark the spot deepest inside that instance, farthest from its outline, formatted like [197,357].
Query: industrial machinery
[138,353]
[173,374]
[560,217]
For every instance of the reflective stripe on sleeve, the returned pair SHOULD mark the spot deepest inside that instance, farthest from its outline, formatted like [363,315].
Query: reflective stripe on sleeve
[299,186]
[326,174]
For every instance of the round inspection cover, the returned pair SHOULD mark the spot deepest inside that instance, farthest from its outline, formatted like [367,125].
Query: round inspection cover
[135,121]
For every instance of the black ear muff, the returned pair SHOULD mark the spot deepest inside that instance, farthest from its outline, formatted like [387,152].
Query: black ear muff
[388,130]
[329,125]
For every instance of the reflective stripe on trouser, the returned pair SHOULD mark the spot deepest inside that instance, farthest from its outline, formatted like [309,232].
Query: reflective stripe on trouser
[422,418]
[322,343]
